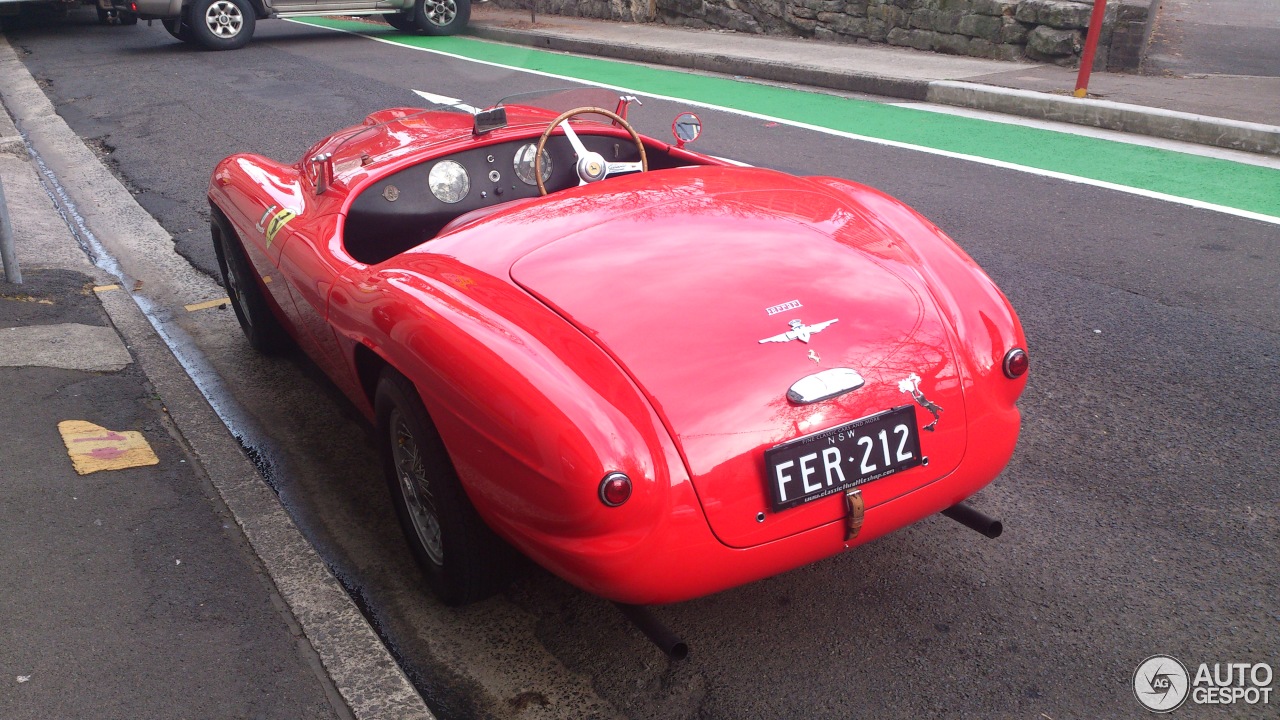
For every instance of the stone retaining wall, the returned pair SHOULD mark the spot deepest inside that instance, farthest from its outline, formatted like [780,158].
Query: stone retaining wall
[1043,30]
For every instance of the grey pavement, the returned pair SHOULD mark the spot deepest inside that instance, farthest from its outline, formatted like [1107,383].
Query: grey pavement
[129,592]
[1238,110]
[144,592]
[148,570]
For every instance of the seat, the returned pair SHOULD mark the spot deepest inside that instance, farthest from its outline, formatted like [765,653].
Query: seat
[479,214]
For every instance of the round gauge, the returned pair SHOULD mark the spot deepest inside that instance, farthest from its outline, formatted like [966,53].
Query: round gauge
[524,165]
[449,181]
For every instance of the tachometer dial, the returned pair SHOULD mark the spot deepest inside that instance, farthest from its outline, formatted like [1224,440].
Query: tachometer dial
[524,165]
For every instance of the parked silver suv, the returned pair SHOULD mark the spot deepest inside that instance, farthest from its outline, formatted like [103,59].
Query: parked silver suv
[228,24]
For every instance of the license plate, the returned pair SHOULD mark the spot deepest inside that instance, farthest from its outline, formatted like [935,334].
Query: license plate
[842,457]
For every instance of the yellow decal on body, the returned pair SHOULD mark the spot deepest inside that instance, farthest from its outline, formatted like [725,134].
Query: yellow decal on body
[278,222]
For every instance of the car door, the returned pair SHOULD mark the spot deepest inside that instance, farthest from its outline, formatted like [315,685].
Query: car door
[259,216]
[310,265]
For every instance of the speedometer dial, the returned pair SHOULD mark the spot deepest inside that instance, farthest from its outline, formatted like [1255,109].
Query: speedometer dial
[449,181]
[524,165]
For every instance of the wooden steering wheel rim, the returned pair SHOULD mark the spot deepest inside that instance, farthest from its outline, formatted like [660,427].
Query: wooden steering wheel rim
[564,116]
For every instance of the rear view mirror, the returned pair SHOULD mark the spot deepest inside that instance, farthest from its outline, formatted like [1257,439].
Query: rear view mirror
[686,127]
[488,120]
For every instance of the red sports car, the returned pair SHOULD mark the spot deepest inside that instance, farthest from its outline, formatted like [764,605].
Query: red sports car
[657,373]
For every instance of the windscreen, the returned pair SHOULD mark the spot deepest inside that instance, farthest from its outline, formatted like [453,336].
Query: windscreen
[562,99]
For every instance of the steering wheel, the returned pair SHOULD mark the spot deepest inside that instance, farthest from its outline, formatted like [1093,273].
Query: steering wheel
[591,166]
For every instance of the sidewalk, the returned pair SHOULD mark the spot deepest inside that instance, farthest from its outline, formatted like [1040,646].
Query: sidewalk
[136,584]
[1232,111]
[128,589]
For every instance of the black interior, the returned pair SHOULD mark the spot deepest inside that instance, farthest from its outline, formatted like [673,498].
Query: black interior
[379,227]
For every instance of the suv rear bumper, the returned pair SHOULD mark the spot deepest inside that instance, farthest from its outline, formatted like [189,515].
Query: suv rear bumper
[153,9]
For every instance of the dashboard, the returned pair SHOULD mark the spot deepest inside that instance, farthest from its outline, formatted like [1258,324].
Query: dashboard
[408,208]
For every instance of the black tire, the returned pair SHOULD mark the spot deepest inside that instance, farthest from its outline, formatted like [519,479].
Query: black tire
[179,28]
[441,17]
[402,21]
[260,326]
[462,559]
[221,24]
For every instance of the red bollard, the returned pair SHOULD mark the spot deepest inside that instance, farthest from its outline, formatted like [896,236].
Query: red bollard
[1090,46]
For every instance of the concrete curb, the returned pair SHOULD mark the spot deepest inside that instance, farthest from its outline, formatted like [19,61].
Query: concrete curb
[358,665]
[1156,122]
[870,84]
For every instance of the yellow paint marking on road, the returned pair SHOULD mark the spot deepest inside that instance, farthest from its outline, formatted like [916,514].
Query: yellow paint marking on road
[93,447]
[195,307]
[105,288]
[27,299]
[266,279]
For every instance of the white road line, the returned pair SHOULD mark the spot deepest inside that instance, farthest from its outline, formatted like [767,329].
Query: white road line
[442,100]
[1141,192]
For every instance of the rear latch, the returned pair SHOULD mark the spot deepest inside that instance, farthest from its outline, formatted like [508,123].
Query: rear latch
[854,508]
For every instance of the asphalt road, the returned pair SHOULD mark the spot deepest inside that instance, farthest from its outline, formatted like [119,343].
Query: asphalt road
[1140,508]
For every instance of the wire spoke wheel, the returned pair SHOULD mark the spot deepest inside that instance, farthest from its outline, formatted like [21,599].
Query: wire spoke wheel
[461,558]
[260,326]
[415,486]
[235,288]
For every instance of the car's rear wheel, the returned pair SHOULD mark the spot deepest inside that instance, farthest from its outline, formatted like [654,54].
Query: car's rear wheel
[442,17]
[402,21]
[462,559]
[179,28]
[260,326]
[222,24]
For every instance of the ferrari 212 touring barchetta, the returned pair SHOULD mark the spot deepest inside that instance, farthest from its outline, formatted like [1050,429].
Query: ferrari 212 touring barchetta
[657,373]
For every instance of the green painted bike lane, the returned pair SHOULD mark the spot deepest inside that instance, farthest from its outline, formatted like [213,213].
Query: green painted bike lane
[1250,188]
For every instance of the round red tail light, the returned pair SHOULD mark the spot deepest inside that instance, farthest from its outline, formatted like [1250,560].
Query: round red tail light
[615,489]
[1016,363]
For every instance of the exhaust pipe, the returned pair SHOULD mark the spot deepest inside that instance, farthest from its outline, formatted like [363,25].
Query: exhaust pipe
[975,519]
[652,627]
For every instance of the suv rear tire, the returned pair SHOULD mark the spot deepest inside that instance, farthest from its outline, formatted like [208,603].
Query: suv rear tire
[441,17]
[221,24]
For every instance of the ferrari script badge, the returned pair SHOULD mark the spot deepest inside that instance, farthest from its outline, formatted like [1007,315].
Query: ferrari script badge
[799,331]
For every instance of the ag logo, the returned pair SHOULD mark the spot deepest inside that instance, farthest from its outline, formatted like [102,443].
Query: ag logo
[1161,683]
